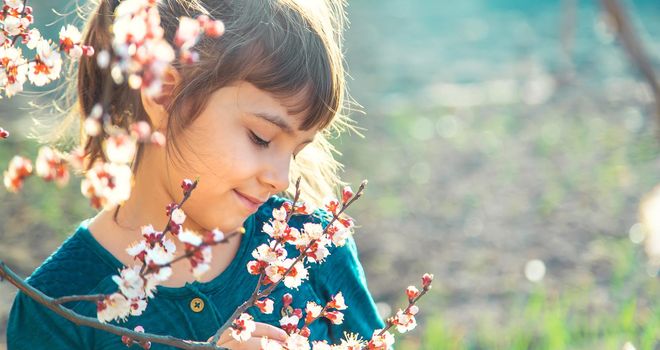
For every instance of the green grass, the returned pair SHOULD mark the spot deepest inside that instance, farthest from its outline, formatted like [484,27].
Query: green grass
[568,318]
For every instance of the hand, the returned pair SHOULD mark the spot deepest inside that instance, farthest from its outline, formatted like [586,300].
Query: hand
[254,343]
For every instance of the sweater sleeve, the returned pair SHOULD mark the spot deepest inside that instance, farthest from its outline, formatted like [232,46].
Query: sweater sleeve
[33,326]
[73,269]
[342,272]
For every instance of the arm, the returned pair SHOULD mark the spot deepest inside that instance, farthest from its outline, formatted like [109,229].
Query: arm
[33,326]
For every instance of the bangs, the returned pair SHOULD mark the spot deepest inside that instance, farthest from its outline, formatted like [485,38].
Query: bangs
[283,53]
[304,77]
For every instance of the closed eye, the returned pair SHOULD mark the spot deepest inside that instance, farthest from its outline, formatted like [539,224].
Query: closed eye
[258,140]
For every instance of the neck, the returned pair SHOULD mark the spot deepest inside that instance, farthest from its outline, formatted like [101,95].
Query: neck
[146,205]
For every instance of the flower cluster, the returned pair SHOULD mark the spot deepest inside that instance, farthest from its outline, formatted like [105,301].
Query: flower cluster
[340,229]
[243,327]
[404,320]
[109,183]
[141,51]
[46,65]
[19,169]
[71,43]
[51,166]
[312,241]
[140,56]
[296,341]
[155,253]
[331,310]
[189,32]
[273,265]
[381,339]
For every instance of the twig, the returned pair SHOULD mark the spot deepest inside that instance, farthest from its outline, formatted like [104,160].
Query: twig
[247,304]
[410,304]
[634,48]
[266,292]
[78,319]
[13,41]
[70,298]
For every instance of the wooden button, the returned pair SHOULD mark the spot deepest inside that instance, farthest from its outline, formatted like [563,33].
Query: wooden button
[197,305]
[286,311]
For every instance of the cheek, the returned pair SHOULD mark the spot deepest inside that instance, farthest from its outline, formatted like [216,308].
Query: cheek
[222,165]
[223,160]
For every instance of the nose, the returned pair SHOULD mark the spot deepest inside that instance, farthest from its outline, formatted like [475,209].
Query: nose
[276,174]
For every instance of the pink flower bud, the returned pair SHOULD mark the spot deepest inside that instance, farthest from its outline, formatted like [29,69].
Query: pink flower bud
[287,299]
[203,20]
[170,207]
[126,340]
[88,50]
[287,206]
[4,133]
[214,29]
[188,185]
[347,194]
[426,281]
[412,293]
[174,228]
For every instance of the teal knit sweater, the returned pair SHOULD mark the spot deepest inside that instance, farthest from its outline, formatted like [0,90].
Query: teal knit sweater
[82,266]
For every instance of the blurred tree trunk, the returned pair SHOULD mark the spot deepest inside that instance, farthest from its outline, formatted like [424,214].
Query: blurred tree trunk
[633,46]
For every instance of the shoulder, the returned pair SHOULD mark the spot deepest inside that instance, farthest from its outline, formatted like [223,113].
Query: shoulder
[75,267]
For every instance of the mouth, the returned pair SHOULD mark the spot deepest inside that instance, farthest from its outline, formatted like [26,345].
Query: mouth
[249,202]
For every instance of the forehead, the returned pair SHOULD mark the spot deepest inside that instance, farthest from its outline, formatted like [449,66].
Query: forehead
[285,111]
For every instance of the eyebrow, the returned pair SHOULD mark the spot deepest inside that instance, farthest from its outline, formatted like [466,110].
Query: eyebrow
[279,122]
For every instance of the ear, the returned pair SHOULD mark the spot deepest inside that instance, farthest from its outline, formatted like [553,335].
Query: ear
[156,105]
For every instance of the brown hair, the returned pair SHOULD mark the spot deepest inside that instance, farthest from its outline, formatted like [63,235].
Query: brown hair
[284,47]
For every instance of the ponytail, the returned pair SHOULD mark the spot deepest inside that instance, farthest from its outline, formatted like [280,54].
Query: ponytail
[122,104]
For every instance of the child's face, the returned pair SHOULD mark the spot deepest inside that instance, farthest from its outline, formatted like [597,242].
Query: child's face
[224,147]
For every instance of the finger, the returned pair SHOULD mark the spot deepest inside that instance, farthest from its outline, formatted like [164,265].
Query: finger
[253,343]
[270,331]
[261,330]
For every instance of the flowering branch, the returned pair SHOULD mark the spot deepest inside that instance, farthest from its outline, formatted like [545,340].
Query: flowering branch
[348,197]
[255,294]
[54,305]
[405,319]
[70,298]
[139,59]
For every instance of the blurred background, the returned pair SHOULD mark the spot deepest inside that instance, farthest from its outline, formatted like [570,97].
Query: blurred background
[508,147]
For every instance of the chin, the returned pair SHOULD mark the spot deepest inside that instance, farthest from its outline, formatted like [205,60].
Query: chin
[234,224]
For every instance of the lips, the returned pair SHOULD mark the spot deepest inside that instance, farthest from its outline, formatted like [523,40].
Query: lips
[250,202]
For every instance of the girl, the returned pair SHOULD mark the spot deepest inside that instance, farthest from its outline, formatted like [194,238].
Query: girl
[254,112]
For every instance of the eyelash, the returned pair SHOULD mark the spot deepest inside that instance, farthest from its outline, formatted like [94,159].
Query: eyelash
[259,141]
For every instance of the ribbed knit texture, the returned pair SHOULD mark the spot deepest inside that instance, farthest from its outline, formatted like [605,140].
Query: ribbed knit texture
[82,266]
